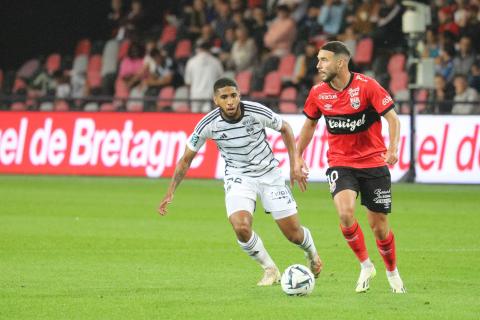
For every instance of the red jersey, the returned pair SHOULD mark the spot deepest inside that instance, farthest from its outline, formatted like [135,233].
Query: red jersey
[353,121]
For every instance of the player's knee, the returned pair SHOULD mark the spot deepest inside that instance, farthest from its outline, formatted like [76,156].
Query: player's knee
[243,231]
[346,214]
[379,231]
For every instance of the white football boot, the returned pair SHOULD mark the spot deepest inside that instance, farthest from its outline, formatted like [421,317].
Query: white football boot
[396,282]
[363,282]
[270,277]
[315,264]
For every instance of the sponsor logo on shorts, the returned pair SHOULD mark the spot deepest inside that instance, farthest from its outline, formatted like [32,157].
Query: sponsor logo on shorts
[383,197]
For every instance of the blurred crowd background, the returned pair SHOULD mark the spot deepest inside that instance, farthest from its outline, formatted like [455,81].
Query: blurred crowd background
[166,58]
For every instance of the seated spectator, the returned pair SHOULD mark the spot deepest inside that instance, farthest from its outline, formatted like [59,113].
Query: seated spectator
[474,77]
[131,67]
[133,23]
[430,47]
[161,76]
[363,21]
[281,32]
[463,61]
[331,16]
[470,26]
[446,23]
[466,98]
[308,27]
[443,95]
[444,63]
[244,50]
[223,20]
[258,28]
[306,69]
[350,38]
[194,18]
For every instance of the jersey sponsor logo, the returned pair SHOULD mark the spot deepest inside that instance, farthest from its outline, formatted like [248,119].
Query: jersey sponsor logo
[386,100]
[346,124]
[327,96]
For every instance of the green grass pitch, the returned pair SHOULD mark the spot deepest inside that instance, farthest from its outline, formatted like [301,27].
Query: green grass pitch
[95,248]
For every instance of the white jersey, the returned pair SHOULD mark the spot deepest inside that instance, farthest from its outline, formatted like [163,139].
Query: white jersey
[243,142]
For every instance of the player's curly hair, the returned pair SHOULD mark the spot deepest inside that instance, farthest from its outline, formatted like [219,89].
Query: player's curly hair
[224,82]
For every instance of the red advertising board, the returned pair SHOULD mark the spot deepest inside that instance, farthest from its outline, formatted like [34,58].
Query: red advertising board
[117,144]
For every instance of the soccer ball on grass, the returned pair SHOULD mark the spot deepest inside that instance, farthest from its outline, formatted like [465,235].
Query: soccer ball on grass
[297,280]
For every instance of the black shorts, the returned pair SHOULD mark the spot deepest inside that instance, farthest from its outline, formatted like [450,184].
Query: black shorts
[374,185]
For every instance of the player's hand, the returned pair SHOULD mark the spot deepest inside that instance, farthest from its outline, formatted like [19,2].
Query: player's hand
[390,157]
[299,173]
[162,209]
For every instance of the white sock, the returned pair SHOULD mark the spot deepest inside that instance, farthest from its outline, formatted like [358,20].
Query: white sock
[308,245]
[366,263]
[255,249]
[392,273]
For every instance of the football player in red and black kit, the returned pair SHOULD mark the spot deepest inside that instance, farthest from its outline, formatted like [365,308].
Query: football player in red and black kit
[352,104]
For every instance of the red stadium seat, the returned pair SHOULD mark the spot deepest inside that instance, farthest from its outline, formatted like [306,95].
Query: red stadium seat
[272,84]
[19,84]
[165,98]
[181,100]
[287,66]
[121,89]
[183,49]
[364,51]
[94,77]
[123,50]
[289,93]
[396,63]
[421,97]
[61,105]
[18,106]
[83,47]
[53,63]
[108,107]
[244,79]
[398,82]
[169,34]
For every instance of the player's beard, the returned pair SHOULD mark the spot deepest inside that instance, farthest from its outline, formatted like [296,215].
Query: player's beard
[329,76]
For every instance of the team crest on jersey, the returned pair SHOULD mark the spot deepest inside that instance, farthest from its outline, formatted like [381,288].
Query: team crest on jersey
[353,92]
[248,123]
[355,102]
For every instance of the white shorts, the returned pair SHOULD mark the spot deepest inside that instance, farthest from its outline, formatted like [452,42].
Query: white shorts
[241,194]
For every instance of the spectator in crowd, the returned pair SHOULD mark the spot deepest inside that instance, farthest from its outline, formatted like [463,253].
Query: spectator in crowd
[363,22]
[463,61]
[446,23]
[258,28]
[388,30]
[306,69]
[466,98]
[470,26]
[281,32]
[244,50]
[62,85]
[207,35]
[444,63]
[201,71]
[443,95]
[133,24]
[223,20]
[194,18]
[349,38]
[161,76]
[474,77]
[132,65]
[308,27]
[331,16]
[115,17]
[430,47]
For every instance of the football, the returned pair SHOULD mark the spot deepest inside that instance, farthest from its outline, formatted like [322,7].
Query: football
[297,280]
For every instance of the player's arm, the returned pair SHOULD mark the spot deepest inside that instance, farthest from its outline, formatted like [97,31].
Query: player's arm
[289,140]
[304,139]
[180,171]
[391,157]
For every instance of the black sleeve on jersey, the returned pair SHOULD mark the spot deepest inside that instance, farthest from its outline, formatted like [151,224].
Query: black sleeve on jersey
[306,115]
[388,109]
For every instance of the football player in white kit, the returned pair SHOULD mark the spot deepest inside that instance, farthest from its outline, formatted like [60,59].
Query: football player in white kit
[238,129]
